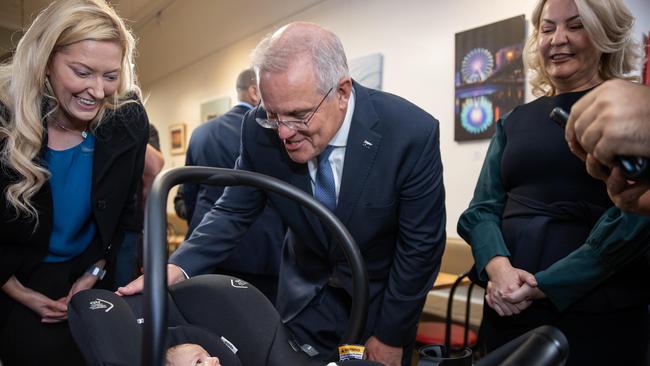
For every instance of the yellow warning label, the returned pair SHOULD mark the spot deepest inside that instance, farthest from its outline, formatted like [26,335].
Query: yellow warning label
[351,352]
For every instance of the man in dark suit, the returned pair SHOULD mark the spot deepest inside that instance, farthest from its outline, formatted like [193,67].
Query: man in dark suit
[216,143]
[382,177]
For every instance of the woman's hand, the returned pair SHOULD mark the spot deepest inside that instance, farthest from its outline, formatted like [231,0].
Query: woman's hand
[505,279]
[524,293]
[49,310]
[85,282]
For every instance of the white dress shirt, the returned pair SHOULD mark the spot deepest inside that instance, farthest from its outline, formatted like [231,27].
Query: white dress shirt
[337,157]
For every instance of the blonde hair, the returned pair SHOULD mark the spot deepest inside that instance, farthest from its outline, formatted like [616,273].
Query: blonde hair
[26,93]
[609,25]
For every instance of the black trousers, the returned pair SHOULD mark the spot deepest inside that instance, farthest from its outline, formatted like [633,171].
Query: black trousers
[612,338]
[24,340]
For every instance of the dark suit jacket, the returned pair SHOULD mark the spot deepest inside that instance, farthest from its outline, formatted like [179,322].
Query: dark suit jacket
[391,199]
[119,154]
[216,144]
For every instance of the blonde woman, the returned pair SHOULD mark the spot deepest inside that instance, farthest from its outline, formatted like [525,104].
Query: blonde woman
[72,143]
[539,221]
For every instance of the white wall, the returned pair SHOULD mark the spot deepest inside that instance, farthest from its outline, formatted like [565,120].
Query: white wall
[416,38]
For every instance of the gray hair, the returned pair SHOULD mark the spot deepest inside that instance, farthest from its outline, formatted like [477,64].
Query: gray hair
[277,50]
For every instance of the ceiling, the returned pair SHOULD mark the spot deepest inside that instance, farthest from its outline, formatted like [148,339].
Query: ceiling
[14,14]
[171,33]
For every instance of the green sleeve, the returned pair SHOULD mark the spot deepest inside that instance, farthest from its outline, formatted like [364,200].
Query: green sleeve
[617,239]
[480,224]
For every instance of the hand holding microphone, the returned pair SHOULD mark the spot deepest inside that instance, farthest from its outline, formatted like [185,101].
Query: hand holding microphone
[609,128]
[633,168]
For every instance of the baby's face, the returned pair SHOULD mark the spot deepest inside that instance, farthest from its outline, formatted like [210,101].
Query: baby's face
[189,354]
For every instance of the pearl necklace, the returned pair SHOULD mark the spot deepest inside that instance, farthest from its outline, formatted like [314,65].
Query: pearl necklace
[83,133]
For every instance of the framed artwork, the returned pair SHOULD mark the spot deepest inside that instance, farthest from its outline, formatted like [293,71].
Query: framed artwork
[489,76]
[368,70]
[646,65]
[177,139]
[214,108]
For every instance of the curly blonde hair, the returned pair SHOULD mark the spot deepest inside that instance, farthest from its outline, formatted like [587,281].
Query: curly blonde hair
[25,91]
[609,25]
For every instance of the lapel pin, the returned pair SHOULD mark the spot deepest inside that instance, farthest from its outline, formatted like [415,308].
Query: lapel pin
[367,144]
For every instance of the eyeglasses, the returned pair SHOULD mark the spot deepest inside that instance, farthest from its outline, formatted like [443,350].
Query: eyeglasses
[294,125]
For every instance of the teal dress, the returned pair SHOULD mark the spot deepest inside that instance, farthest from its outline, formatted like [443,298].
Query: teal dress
[535,203]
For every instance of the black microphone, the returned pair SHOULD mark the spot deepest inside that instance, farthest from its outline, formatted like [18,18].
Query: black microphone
[634,168]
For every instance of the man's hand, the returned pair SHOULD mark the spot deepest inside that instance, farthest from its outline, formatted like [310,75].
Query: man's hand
[380,352]
[174,275]
[628,196]
[612,120]
[504,279]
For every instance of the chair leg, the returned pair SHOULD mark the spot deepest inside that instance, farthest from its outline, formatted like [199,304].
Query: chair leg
[468,306]
[479,348]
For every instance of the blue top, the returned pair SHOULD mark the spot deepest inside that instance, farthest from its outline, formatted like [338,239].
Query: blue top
[73,227]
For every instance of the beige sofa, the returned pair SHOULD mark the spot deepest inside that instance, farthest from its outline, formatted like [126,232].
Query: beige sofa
[457,259]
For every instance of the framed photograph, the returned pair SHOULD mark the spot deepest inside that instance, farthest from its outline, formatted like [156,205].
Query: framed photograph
[646,65]
[177,139]
[214,108]
[489,76]
[368,70]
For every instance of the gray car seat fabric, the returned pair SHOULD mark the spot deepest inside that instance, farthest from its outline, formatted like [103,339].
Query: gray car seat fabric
[230,318]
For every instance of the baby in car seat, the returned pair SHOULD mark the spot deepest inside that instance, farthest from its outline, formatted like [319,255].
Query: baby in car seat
[189,354]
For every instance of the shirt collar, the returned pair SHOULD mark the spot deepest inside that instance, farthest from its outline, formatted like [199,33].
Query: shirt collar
[341,137]
[247,105]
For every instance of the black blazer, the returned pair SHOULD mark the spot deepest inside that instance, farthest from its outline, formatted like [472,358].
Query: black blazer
[216,144]
[118,163]
[391,199]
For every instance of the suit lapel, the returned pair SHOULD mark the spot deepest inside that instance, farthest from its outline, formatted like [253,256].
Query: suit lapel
[360,153]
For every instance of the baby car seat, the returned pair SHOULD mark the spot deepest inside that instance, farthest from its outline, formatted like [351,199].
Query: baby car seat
[228,317]
[225,306]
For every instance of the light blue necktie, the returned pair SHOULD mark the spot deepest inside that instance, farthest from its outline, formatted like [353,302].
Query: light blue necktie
[324,188]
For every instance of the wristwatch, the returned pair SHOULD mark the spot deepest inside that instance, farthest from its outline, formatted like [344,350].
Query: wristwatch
[97,272]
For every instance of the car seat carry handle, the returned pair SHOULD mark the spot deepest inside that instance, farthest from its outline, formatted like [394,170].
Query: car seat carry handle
[155,253]
[542,346]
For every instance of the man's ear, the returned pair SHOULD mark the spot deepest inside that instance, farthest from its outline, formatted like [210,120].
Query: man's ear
[344,89]
[253,94]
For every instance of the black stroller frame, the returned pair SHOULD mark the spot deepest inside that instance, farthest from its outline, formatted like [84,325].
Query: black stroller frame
[155,253]
[543,346]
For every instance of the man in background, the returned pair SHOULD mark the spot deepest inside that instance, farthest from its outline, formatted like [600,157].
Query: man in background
[216,144]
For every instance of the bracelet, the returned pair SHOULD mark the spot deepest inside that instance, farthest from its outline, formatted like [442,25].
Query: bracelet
[96,271]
